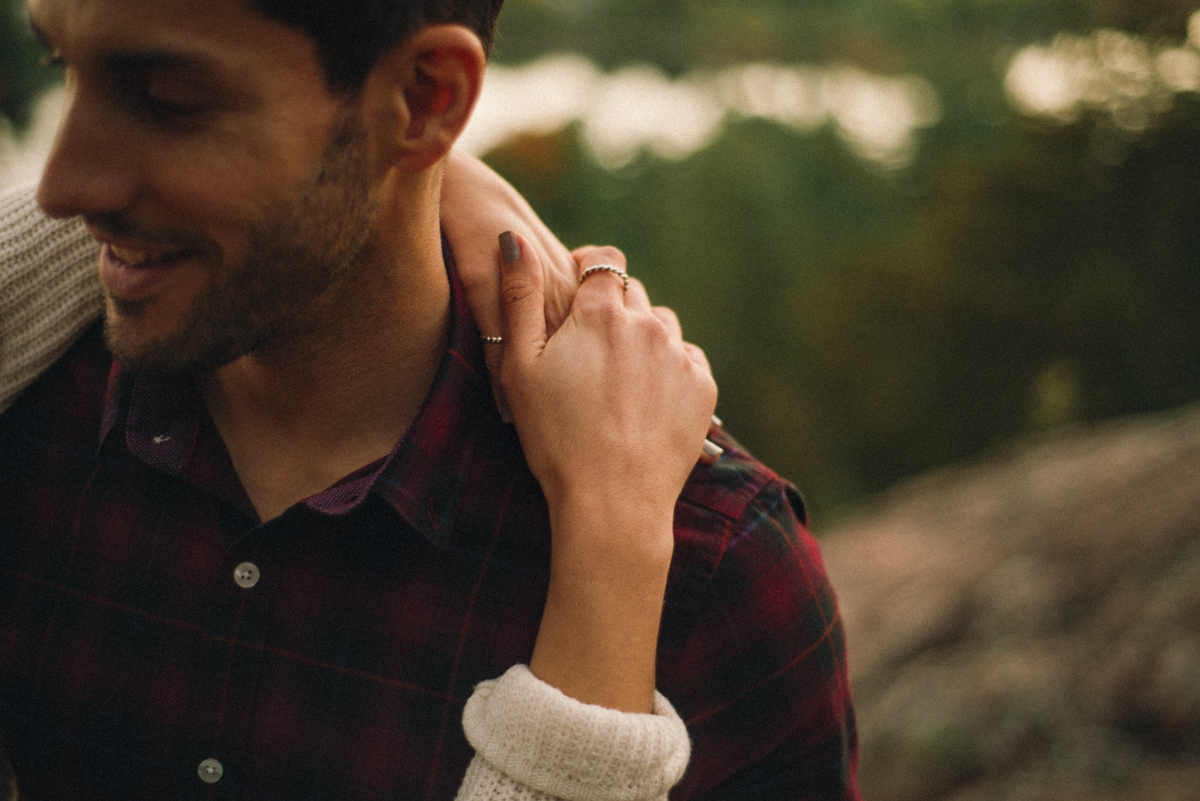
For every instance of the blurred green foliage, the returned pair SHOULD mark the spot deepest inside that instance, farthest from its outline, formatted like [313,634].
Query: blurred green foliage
[866,325]
[882,35]
[22,76]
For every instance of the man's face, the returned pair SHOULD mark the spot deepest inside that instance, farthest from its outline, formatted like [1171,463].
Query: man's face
[202,147]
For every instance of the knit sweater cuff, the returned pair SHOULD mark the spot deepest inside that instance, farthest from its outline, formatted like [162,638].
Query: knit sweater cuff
[551,743]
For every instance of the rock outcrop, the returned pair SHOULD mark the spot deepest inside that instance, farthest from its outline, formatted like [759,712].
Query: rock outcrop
[1029,627]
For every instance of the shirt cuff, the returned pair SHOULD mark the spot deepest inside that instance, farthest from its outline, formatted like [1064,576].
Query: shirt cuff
[555,745]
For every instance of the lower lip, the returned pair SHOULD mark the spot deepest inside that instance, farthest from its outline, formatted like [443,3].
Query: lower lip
[133,282]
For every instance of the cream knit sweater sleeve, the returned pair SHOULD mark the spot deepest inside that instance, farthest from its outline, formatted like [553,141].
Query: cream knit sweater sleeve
[49,290]
[532,743]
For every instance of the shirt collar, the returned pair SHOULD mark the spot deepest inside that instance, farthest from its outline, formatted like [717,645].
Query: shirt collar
[167,427]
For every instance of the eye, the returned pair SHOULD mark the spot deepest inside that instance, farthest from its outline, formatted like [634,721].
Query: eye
[166,99]
[175,94]
[167,114]
[174,107]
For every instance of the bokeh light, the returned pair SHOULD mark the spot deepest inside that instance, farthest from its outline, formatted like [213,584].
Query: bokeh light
[1118,74]
[640,108]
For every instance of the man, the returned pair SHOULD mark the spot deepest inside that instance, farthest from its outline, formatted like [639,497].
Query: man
[287,532]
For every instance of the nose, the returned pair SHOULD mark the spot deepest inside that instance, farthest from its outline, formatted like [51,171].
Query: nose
[88,171]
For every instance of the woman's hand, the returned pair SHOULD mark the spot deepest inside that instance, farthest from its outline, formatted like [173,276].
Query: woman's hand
[476,203]
[612,411]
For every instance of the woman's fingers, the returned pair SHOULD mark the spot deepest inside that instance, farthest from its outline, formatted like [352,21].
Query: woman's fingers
[522,299]
[604,268]
[477,203]
[668,319]
[710,451]
[617,381]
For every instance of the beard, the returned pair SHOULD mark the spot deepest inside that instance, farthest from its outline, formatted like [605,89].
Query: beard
[297,257]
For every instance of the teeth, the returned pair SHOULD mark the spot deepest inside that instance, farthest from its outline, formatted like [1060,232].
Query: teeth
[137,257]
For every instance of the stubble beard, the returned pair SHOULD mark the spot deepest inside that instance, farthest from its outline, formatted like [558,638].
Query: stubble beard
[297,257]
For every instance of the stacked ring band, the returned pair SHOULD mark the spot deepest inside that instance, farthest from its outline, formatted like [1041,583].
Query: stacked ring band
[624,276]
[492,340]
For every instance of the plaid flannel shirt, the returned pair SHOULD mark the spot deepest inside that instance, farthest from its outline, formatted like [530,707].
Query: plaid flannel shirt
[149,622]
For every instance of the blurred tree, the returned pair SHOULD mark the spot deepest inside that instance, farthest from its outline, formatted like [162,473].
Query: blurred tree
[864,327]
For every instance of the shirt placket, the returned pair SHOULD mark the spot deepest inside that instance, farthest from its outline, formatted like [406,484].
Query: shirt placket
[229,669]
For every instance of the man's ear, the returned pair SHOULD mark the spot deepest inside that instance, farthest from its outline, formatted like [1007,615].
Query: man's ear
[427,88]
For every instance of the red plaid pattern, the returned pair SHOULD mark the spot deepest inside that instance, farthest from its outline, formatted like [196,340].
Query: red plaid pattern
[130,654]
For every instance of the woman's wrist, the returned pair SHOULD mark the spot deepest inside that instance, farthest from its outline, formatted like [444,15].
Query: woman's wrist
[599,632]
[625,523]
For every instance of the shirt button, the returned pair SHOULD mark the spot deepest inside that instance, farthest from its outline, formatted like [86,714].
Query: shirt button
[246,575]
[210,771]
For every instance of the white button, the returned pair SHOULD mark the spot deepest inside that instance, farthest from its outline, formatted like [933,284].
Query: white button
[246,575]
[210,771]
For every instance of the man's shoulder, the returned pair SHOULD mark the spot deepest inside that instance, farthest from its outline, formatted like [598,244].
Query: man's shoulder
[64,407]
[737,481]
[738,504]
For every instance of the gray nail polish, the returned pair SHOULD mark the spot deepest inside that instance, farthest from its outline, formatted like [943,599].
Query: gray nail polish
[510,248]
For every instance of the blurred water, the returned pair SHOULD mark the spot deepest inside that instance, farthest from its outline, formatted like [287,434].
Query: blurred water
[639,108]
[1123,76]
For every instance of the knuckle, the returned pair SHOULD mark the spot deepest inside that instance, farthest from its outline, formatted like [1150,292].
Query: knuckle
[609,313]
[666,315]
[657,332]
[596,301]
[516,290]
[604,254]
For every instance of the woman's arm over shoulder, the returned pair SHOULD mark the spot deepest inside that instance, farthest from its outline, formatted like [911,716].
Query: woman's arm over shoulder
[612,411]
[49,289]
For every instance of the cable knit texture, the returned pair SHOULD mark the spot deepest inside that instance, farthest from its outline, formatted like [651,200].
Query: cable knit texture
[528,734]
[49,290]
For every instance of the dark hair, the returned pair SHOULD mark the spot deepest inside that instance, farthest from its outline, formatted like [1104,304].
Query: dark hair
[352,35]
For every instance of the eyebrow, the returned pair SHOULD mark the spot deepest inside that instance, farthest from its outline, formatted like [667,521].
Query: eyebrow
[160,60]
[149,59]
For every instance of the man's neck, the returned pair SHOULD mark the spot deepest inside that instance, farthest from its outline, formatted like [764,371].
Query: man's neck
[298,416]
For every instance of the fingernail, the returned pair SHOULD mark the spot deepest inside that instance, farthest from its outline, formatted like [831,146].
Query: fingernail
[510,248]
[716,421]
[713,449]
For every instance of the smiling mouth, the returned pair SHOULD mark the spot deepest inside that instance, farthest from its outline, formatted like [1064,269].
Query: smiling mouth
[136,258]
